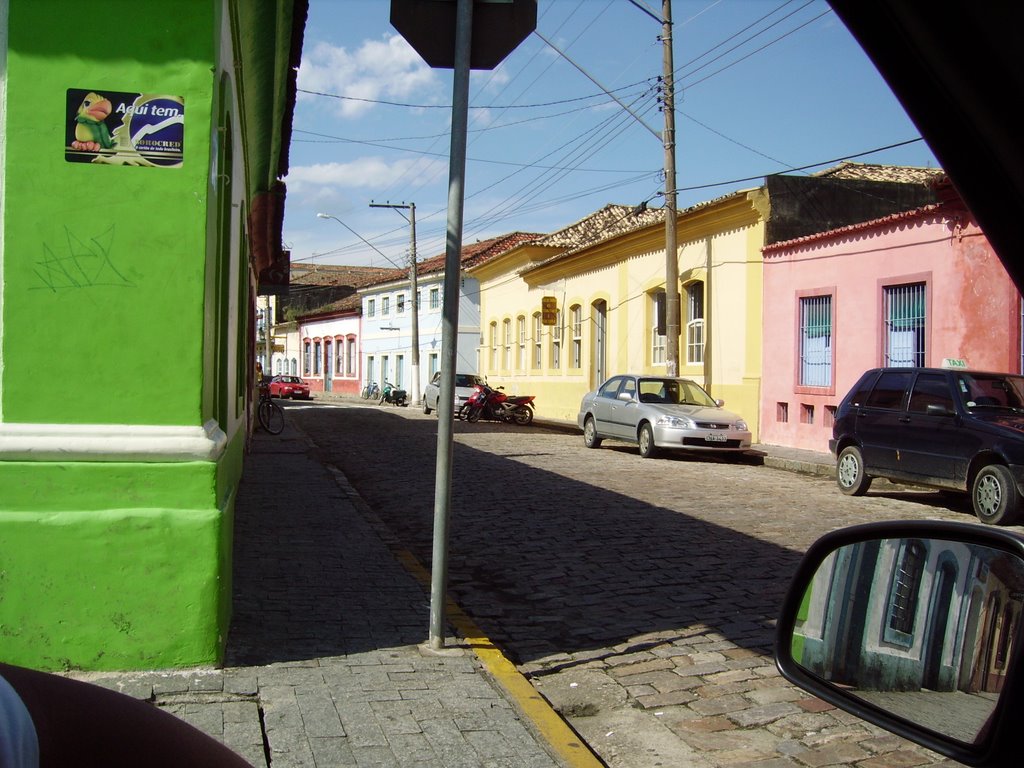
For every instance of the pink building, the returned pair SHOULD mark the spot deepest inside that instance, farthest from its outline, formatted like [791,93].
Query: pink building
[915,288]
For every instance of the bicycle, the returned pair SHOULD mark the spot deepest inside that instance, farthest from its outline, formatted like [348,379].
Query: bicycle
[270,414]
[371,391]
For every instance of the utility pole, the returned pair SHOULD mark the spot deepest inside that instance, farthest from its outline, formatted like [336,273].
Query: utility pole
[672,304]
[414,362]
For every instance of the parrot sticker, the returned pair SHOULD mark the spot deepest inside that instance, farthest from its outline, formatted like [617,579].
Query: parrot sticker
[118,128]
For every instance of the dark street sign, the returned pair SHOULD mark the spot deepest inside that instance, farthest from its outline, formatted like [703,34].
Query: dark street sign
[498,27]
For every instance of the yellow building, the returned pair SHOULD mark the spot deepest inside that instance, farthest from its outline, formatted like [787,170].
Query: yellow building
[606,274]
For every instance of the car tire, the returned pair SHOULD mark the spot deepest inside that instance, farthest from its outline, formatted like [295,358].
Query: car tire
[426,406]
[645,441]
[994,496]
[850,475]
[590,438]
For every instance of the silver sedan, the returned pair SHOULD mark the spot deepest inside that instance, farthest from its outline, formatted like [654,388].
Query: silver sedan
[660,412]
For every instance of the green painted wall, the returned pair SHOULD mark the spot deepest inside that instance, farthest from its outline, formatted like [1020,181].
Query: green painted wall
[107,262]
[109,565]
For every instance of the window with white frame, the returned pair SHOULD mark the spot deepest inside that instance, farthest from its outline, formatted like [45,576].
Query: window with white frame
[350,358]
[385,305]
[905,325]
[385,370]
[521,339]
[316,358]
[371,368]
[506,347]
[816,341]
[432,365]
[657,337]
[695,323]
[904,593]
[493,347]
[556,341]
[307,359]
[538,336]
[339,361]
[576,323]
[371,307]
[400,303]
[435,298]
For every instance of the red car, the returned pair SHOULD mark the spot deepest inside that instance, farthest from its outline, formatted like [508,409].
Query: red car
[289,386]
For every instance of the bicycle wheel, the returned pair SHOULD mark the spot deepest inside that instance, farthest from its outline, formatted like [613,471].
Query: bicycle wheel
[271,416]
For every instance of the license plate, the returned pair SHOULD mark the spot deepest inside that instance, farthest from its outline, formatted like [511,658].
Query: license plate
[715,437]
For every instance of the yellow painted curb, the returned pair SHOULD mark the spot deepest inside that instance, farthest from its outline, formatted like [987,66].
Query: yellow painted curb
[573,751]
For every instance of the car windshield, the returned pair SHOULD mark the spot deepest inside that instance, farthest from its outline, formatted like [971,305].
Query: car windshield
[673,392]
[466,380]
[991,390]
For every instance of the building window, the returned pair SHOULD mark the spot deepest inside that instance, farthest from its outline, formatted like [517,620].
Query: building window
[432,366]
[506,347]
[350,358]
[295,367]
[400,303]
[576,322]
[339,361]
[385,370]
[806,413]
[435,298]
[371,369]
[904,592]
[538,335]
[385,305]
[371,307]
[657,326]
[695,323]
[782,412]
[316,358]
[399,371]
[493,347]
[905,325]
[307,359]
[556,341]
[816,341]
[521,339]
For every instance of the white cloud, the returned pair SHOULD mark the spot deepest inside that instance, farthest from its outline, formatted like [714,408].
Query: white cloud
[379,70]
[369,173]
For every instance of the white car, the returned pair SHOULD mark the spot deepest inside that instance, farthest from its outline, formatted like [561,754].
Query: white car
[660,412]
[464,387]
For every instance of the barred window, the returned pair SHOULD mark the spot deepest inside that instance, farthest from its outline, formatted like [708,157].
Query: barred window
[905,325]
[906,586]
[521,339]
[538,336]
[816,341]
[556,342]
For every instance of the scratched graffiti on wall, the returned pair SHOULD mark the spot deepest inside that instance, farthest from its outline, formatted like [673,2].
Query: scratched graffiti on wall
[80,263]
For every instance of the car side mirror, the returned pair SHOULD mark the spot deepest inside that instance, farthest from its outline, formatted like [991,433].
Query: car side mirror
[720,403]
[626,397]
[915,627]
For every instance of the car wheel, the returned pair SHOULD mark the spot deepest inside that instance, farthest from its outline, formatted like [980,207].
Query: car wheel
[994,496]
[590,438]
[645,441]
[426,406]
[850,475]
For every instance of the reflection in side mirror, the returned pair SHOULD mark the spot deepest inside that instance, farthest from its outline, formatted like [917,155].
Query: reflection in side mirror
[923,628]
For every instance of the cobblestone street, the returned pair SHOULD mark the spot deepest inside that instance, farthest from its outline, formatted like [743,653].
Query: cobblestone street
[639,596]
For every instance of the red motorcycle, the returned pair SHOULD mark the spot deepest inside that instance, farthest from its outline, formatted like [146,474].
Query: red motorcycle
[494,404]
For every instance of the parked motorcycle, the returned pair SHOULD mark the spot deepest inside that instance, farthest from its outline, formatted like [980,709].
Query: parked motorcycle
[392,394]
[489,403]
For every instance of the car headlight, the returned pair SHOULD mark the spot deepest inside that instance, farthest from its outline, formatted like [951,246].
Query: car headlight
[741,425]
[677,422]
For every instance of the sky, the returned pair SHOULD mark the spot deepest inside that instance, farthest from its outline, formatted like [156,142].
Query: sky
[762,87]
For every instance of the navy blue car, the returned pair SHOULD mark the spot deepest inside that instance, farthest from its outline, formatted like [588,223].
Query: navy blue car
[943,428]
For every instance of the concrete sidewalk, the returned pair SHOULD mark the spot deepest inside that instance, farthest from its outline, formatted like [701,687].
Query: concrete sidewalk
[324,664]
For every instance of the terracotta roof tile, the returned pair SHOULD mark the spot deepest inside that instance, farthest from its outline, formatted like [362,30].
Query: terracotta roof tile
[875,172]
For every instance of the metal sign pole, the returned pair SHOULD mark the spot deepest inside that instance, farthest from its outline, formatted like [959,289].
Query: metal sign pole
[450,323]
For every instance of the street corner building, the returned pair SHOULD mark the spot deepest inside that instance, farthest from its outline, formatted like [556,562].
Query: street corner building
[141,151]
